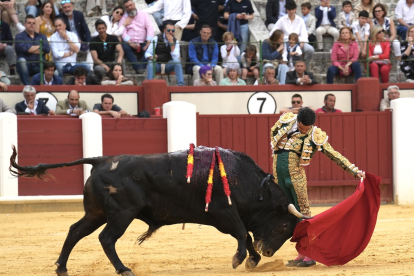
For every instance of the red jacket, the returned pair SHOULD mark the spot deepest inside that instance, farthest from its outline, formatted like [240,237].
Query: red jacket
[385,46]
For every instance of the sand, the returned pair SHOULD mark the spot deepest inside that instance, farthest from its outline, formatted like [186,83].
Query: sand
[30,244]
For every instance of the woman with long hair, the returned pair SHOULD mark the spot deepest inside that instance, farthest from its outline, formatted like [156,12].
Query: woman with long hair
[116,77]
[272,51]
[379,54]
[344,56]
[112,22]
[407,58]
[45,23]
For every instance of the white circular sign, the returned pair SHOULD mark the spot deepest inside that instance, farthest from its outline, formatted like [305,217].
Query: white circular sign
[261,103]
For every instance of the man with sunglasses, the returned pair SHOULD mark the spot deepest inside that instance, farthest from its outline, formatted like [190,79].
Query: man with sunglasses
[297,105]
[103,49]
[167,53]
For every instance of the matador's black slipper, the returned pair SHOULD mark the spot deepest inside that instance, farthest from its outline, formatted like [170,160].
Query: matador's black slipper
[293,263]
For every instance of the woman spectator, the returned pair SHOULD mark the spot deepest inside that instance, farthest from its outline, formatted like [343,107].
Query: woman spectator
[45,23]
[380,18]
[407,58]
[206,77]
[366,5]
[379,54]
[233,71]
[116,77]
[272,51]
[344,56]
[112,22]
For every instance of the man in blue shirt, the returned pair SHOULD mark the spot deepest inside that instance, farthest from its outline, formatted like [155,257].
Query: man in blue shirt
[28,50]
[203,50]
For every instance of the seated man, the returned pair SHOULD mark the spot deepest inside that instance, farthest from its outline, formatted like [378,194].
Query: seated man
[6,45]
[65,48]
[31,105]
[299,75]
[27,50]
[72,105]
[393,93]
[5,108]
[269,73]
[107,107]
[81,78]
[138,34]
[203,50]
[103,49]
[167,52]
[49,77]
[297,104]
[329,105]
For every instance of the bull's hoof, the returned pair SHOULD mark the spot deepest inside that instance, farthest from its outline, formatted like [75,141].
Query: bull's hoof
[235,262]
[60,273]
[127,273]
[252,262]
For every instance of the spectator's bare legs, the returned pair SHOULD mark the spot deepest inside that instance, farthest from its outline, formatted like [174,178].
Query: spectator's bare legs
[244,74]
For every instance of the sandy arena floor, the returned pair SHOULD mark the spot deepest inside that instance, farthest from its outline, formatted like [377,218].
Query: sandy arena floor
[30,244]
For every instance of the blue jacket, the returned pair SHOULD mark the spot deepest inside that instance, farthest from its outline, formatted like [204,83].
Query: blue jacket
[41,108]
[319,16]
[268,52]
[81,27]
[56,80]
[234,27]
[24,42]
[196,52]
[6,34]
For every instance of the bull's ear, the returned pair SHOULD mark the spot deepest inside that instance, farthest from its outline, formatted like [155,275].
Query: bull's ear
[280,210]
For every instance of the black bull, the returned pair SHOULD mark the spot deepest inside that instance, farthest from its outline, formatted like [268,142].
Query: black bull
[153,188]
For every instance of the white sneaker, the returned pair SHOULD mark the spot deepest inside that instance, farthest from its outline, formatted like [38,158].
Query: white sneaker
[90,13]
[410,80]
[20,27]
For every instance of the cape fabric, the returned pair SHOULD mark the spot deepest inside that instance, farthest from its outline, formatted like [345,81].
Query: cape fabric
[342,232]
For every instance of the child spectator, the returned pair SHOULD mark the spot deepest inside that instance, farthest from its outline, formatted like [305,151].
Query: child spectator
[346,16]
[229,51]
[325,15]
[292,51]
[250,62]
[360,29]
[310,22]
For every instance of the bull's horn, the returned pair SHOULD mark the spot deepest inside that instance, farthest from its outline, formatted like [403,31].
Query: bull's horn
[293,211]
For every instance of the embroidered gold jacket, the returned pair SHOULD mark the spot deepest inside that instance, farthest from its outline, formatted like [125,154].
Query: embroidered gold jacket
[306,145]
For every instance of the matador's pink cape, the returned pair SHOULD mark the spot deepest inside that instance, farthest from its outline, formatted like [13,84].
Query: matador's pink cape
[342,232]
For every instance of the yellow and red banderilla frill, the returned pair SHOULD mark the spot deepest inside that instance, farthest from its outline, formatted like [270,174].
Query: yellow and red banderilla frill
[190,162]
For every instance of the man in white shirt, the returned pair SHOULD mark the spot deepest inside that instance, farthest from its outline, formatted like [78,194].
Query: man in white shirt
[177,12]
[404,13]
[65,47]
[292,23]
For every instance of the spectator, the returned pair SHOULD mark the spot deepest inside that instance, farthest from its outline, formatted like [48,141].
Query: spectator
[112,22]
[407,58]
[81,78]
[393,93]
[138,34]
[4,81]
[292,51]
[116,76]
[5,108]
[167,53]
[176,12]
[233,70]
[203,50]
[272,50]
[239,12]
[297,104]
[103,49]
[380,13]
[365,5]
[404,13]
[360,30]
[346,16]
[8,12]
[6,48]
[222,24]
[75,23]
[157,15]
[292,23]
[31,7]
[45,23]
[65,48]
[272,12]
[96,6]
[344,56]
[300,75]
[30,104]
[379,54]
[27,50]
[188,35]
[229,51]
[107,107]
[72,105]
[329,105]
[269,72]
[206,77]
[49,78]
[325,14]
[206,13]
[310,22]
[250,62]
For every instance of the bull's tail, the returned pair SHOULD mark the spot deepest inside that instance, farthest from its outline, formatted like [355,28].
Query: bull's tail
[40,170]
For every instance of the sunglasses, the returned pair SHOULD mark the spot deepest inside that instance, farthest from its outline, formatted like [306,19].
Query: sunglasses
[382,31]
[65,2]
[295,102]
[118,12]
[104,46]
[171,30]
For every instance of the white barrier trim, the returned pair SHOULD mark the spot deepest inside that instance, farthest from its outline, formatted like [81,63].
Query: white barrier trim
[8,137]
[41,199]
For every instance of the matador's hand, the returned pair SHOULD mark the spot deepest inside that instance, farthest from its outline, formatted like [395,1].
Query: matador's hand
[360,175]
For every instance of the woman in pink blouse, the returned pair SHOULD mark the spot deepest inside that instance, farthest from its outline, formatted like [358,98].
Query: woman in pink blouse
[344,56]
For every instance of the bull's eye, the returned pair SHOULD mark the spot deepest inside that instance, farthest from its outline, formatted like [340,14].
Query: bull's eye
[283,228]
